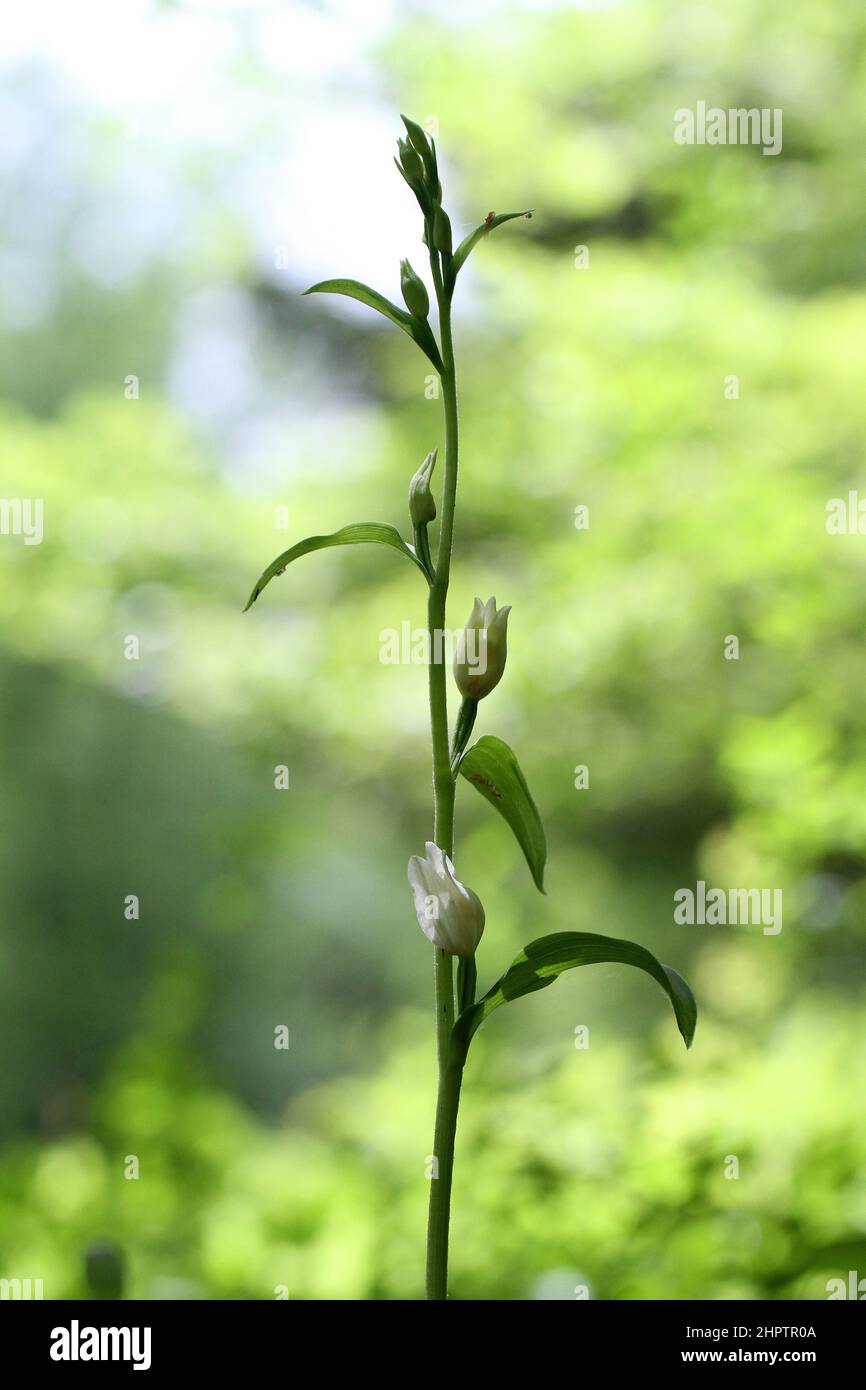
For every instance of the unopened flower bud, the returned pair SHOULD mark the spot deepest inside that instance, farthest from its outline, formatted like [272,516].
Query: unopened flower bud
[416,133]
[411,164]
[414,290]
[422,143]
[482,650]
[449,914]
[422,507]
[441,230]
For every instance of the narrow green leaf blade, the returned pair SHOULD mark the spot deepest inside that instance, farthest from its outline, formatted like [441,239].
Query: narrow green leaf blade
[361,532]
[490,765]
[354,289]
[539,964]
[469,243]
[418,329]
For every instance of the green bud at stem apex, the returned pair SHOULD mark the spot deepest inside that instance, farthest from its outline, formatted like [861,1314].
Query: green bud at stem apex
[415,294]
[422,507]
[482,650]
[441,231]
[449,914]
[424,147]
[417,135]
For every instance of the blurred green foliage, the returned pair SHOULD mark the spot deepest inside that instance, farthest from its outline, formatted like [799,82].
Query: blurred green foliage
[602,387]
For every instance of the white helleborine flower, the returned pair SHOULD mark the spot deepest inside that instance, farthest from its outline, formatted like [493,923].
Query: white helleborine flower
[449,914]
[481,650]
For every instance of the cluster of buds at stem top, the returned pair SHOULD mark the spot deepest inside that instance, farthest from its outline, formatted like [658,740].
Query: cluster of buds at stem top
[449,914]
[482,650]
[417,164]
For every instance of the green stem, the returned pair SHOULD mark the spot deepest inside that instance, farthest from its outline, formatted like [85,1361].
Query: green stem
[447,1105]
[467,979]
[450,1071]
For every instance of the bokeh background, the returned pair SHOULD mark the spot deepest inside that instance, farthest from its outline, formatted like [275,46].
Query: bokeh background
[173,175]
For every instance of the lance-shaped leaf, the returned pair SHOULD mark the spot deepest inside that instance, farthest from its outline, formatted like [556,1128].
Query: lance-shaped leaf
[375,532]
[418,329]
[469,243]
[543,960]
[491,766]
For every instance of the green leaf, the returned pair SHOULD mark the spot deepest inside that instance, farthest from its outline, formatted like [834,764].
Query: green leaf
[491,766]
[375,532]
[543,960]
[469,243]
[353,289]
[418,329]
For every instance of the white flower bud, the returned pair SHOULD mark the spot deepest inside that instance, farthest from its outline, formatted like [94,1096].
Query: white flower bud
[482,650]
[449,914]
[422,508]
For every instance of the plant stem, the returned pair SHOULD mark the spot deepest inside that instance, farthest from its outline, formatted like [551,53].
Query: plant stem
[447,1104]
[450,1070]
